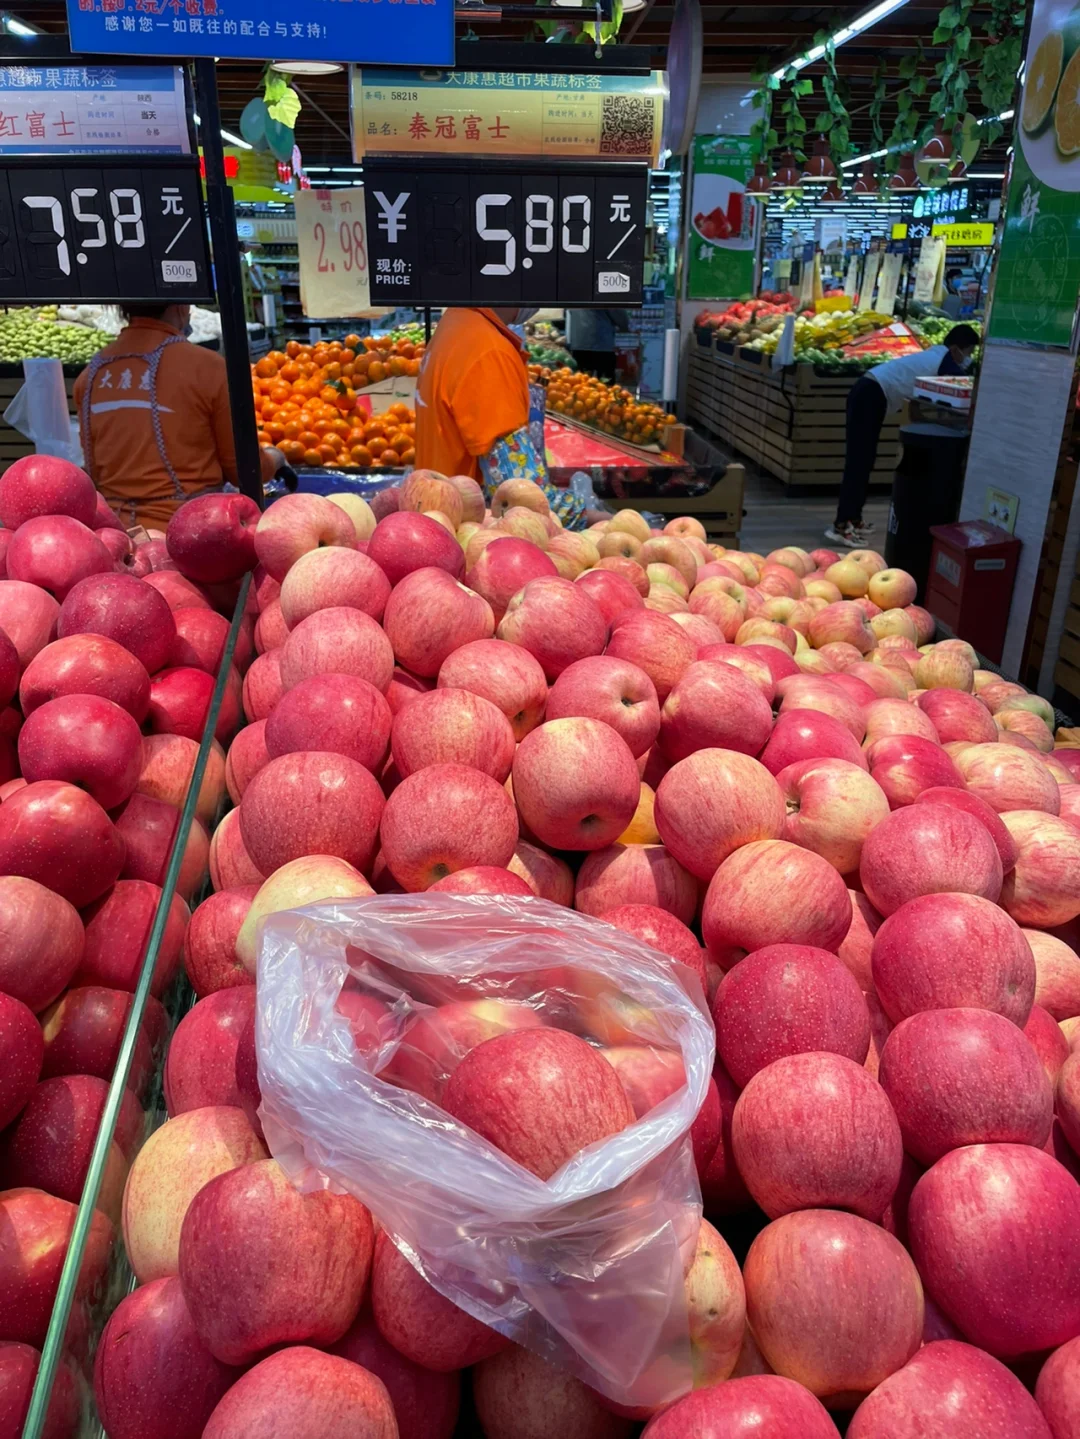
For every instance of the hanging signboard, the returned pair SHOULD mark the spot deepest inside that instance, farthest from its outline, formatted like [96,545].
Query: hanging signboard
[723,224]
[510,234]
[869,281]
[330,235]
[408,32]
[888,282]
[92,109]
[101,231]
[965,236]
[468,112]
[930,271]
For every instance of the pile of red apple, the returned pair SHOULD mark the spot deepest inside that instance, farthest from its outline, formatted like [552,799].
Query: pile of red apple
[865,847]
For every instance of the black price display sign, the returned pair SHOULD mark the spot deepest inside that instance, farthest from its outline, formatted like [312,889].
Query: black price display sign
[444,233]
[102,230]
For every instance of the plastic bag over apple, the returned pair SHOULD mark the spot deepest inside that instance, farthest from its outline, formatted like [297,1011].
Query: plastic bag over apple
[586,1268]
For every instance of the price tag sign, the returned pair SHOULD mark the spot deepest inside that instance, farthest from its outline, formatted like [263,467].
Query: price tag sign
[331,236]
[967,236]
[442,233]
[106,231]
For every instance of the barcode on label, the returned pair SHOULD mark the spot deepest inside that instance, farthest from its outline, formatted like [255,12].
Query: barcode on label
[613,282]
[179,272]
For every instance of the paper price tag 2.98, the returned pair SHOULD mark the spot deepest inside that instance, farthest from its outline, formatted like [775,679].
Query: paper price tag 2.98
[334,270]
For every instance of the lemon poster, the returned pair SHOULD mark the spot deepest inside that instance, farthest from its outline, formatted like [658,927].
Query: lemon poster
[723,221]
[1038,274]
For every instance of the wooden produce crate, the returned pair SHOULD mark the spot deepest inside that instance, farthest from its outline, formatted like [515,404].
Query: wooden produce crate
[791,422]
[13,443]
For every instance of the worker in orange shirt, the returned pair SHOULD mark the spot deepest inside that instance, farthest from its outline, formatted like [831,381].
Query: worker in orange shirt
[154,417]
[473,389]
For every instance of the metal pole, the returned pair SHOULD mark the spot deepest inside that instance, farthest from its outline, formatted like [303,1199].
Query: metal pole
[230,285]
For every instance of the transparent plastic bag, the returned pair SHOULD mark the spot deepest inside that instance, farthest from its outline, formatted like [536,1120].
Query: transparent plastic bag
[39,410]
[585,1269]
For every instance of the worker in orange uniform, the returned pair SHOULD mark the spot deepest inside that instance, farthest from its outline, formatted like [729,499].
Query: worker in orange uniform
[473,389]
[154,417]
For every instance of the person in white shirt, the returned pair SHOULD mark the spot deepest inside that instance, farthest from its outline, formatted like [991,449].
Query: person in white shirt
[881,392]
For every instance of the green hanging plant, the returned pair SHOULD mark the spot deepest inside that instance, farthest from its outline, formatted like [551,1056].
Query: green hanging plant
[282,101]
[881,90]
[834,123]
[793,122]
[998,59]
[953,73]
[763,138]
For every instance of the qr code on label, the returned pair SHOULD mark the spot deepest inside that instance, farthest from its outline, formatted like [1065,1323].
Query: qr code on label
[626,125]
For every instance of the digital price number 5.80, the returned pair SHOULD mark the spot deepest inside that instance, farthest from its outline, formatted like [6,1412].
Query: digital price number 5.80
[441,235]
[102,233]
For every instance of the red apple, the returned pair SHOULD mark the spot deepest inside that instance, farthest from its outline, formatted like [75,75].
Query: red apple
[419,1322]
[546,875]
[818,692]
[1057,1390]
[481,879]
[123,609]
[575,783]
[405,541]
[928,849]
[635,874]
[788,999]
[56,552]
[153,1375]
[29,617]
[503,568]
[335,641]
[713,802]
[88,742]
[311,803]
[656,644]
[117,932]
[765,1403]
[41,941]
[308,880]
[964,1076]
[518,1395]
[177,592]
[435,1041]
[200,639]
[952,951]
[9,670]
[147,828]
[444,818]
[246,757]
[556,622]
[335,713]
[180,703]
[170,1169]
[210,956]
[831,808]
[973,805]
[949,1388]
[332,578]
[995,1231]
[504,674]
[772,892]
[844,622]
[809,734]
[834,1302]
[311,1394]
[21,1055]
[1049,1041]
[51,1142]
[211,1058]
[295,524]
[1009,778]
[425,1403]
[714,706]
[429,615]
[18,1371]
[539,1095]
[84,1030]
[56,834]
[36,1229]
[453,726]
[1043,887]
[611,591]
[904,765]
[271,631]
[230,863]
[316,1254]
[958,716]
[212,537]
[167,769]
[885,717]
[1057,974]
[45,485]
[262,686]
[611,690]
[815,1131]
[660,930]
[648,1075]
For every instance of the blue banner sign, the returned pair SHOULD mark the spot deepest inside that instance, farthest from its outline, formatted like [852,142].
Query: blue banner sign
[379,32]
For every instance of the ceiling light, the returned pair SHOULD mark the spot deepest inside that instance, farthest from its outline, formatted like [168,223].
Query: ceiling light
[838,37]
[628,5]
[235,140]
[307,67]
[985,175]
[18,27]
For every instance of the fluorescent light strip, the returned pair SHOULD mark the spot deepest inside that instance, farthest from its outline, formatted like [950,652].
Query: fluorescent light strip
[846,32]
[18,27]
[226,135]
[877,154]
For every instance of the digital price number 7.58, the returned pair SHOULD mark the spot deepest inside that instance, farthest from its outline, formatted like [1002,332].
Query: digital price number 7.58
[125,216]
[575,229]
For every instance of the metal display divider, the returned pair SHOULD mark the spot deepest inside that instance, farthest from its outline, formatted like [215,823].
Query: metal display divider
[73,1262]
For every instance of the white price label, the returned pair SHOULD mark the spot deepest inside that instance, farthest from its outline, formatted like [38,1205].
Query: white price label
[179,272]
[613,282]
[331,238]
